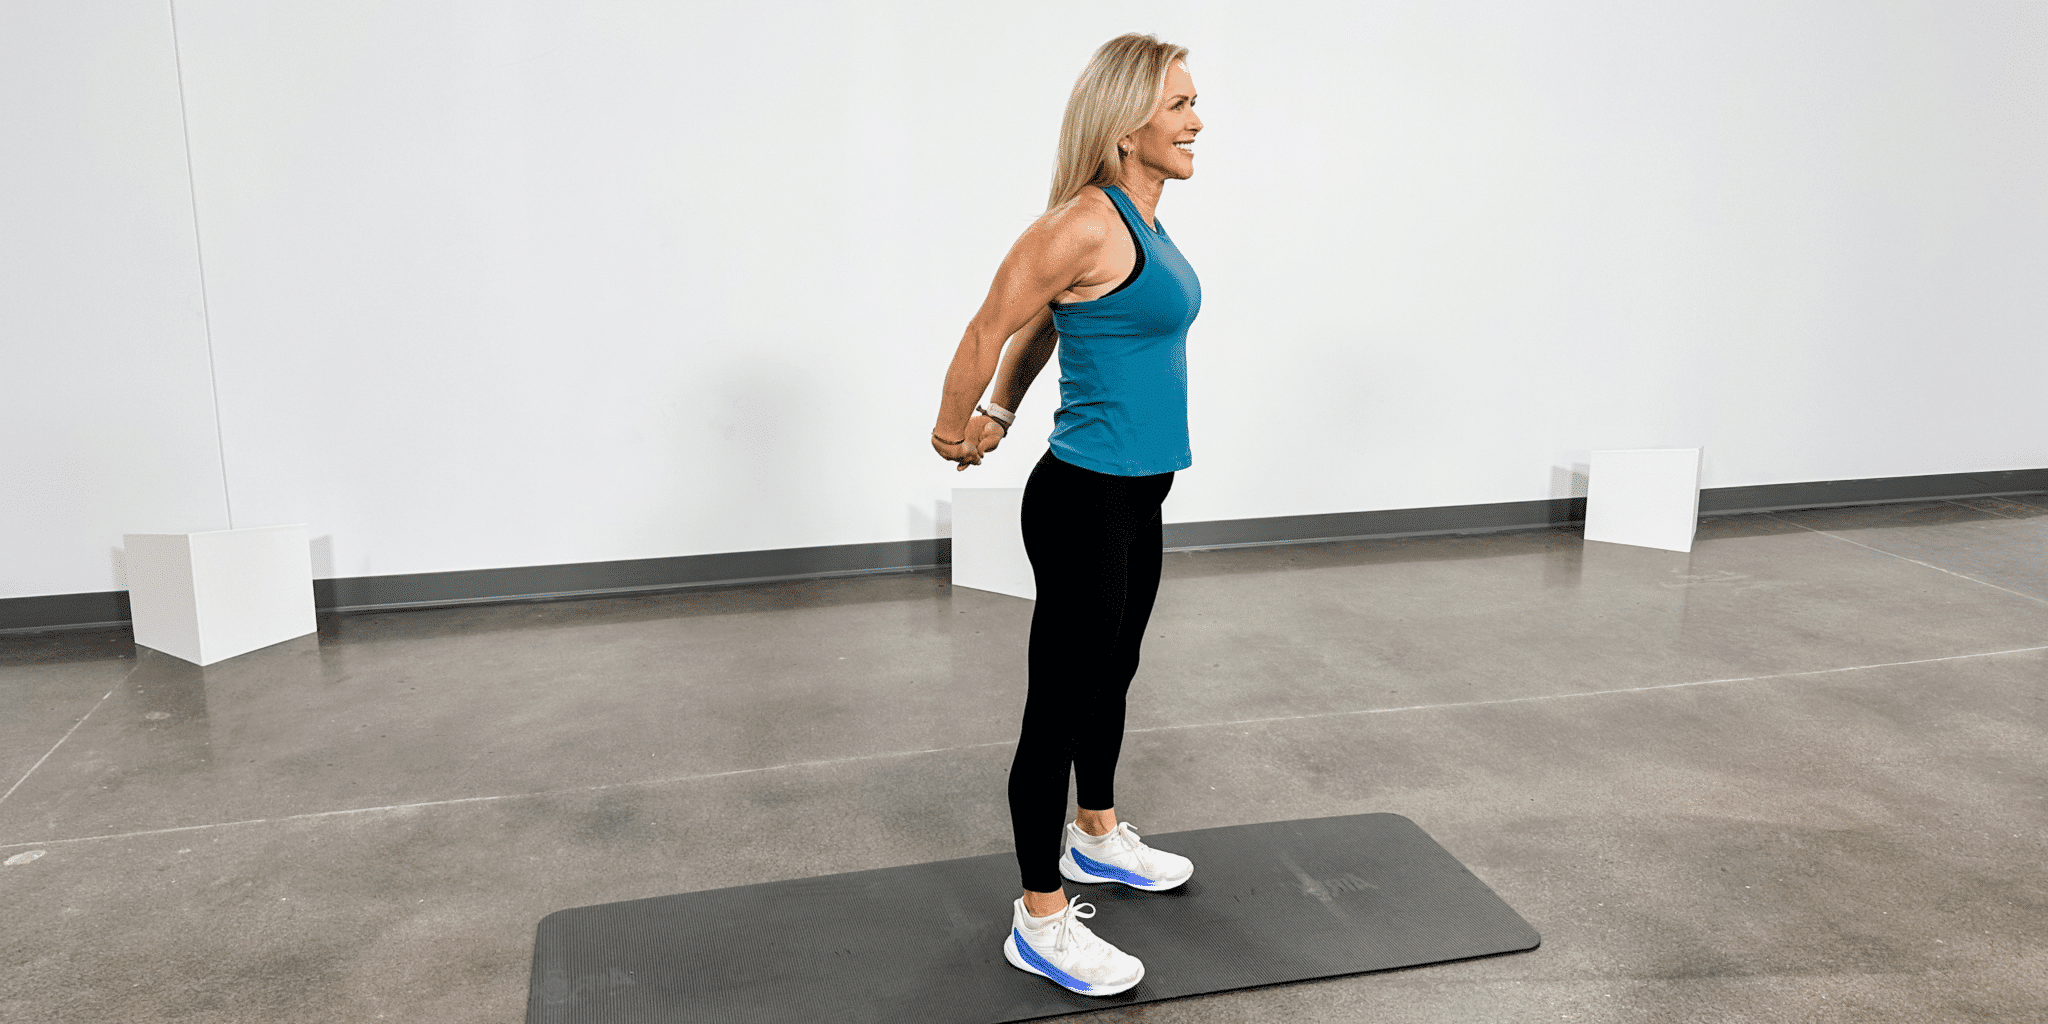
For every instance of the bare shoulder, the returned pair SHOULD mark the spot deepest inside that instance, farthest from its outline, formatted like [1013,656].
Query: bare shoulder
[1062,250]
[1083,222]
[1090,211]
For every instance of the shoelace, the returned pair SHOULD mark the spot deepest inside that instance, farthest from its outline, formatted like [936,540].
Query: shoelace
[1092,944]
[1127,841]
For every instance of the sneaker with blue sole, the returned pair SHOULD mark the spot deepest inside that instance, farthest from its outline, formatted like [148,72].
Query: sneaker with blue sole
[1120,856]
[1062,949]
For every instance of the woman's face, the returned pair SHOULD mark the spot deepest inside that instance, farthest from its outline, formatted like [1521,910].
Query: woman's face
[1153,153]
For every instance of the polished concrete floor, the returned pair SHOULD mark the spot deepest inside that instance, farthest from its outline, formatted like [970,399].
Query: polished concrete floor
[1800,774]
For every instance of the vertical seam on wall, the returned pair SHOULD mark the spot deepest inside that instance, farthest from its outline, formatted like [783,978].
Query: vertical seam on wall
[199,251]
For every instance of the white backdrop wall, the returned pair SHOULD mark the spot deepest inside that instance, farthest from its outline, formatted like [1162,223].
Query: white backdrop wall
[468,285]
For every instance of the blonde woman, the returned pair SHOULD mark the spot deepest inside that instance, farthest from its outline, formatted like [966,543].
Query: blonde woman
[1097,277]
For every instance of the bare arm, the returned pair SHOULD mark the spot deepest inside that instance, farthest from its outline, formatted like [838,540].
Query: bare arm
[1025,355]
[1047,259]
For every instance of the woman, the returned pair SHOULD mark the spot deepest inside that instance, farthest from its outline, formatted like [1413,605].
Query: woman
[1097,277]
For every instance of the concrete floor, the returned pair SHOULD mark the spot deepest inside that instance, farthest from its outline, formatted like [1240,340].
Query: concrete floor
[1800,774]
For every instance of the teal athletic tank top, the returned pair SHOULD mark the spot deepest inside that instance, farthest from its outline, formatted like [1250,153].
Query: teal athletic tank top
[1124,362]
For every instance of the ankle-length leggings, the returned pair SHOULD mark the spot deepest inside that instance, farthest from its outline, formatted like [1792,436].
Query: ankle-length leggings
[1094,541]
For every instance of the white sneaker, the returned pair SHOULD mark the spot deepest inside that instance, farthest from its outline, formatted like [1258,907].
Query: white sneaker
[1064,950]
[1120,856]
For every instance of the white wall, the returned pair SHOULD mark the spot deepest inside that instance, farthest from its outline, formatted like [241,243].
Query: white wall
[106,403]
[495,284]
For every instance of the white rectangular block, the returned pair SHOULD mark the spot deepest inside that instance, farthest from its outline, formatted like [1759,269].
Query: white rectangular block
[207,597]
[1648,497]
[988,541]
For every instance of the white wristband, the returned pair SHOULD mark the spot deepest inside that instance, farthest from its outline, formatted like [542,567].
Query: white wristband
[998,414]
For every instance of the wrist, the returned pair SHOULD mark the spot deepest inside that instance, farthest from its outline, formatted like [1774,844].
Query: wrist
[998,414]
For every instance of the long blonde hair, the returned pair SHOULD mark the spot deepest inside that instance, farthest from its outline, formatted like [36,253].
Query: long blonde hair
[1114,97]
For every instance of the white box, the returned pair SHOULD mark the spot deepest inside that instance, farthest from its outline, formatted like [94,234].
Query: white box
[988,542]
[1648,497]
[207,597]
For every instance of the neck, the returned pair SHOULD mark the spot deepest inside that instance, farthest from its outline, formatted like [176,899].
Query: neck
[1144,194]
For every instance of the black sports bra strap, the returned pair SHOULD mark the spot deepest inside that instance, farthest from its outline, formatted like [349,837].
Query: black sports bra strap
[1137,267]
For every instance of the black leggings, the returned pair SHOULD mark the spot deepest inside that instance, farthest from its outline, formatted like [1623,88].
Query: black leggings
[1094,541]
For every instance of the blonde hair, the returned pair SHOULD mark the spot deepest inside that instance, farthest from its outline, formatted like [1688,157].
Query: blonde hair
[1114,97]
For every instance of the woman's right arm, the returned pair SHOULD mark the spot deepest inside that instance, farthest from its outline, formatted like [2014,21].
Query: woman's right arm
[1023,358]
[1049,258]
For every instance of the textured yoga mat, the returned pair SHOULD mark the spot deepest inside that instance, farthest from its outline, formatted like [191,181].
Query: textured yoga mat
[1269,903]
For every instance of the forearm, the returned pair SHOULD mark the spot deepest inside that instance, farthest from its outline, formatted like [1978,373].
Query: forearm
[974,362]
[1027,355]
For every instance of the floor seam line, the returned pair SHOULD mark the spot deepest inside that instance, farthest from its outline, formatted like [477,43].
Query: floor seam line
[2018,519]
[1588,693]
[1915,561]
[67,733]
[503,796]
[971,746]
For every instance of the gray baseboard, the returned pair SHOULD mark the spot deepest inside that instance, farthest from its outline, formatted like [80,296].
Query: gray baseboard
[109,609]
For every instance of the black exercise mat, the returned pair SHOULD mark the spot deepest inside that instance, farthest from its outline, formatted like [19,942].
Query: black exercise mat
[1269,903]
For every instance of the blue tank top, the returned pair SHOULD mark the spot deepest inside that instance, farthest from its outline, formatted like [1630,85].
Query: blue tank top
[1124,363]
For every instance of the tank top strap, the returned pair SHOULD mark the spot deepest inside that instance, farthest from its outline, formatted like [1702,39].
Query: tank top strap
[1129,211]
